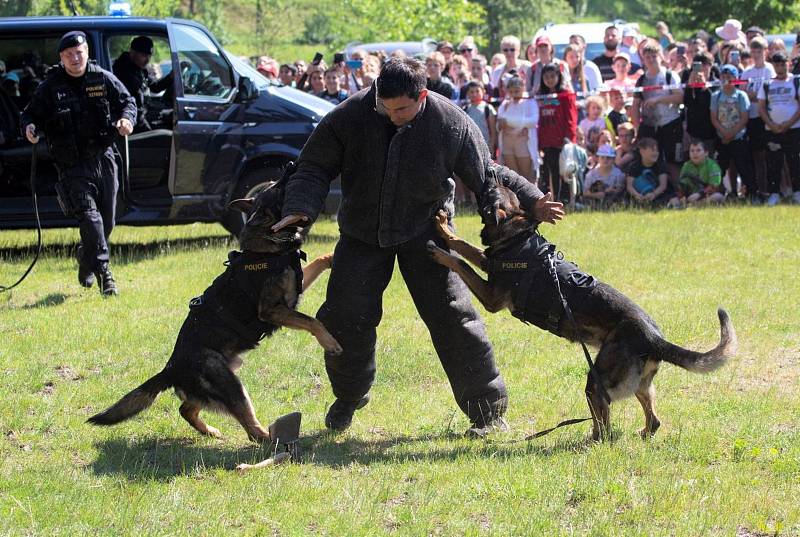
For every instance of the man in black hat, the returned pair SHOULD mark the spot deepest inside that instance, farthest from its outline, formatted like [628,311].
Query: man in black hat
[81,108]
[131,69]
[753,31]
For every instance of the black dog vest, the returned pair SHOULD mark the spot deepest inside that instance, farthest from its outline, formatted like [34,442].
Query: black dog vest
[523,267]
[233,296]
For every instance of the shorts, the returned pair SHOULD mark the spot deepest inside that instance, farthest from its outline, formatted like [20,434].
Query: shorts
[756,134]
[669,138]
[515,145]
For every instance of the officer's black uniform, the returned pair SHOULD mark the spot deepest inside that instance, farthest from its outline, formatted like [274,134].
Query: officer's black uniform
[138,81]
[77,115]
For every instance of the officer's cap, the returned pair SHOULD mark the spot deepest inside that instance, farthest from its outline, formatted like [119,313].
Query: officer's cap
[71,39]
[142,44]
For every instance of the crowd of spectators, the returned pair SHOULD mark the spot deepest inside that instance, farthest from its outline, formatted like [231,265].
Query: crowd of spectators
[660,122]
[715,117]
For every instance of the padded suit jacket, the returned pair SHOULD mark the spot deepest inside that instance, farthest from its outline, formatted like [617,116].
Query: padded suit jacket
[393,180]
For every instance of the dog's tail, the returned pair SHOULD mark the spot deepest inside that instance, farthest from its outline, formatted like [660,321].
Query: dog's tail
[133,403]
[702,362]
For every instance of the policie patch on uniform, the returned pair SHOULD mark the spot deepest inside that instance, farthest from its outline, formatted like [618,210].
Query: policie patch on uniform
[509,265]
[256,266]
[96,91]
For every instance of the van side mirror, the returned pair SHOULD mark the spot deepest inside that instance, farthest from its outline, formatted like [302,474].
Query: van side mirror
[248,90]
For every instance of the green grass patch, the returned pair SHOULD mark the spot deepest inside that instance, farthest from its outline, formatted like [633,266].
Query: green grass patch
[726,459]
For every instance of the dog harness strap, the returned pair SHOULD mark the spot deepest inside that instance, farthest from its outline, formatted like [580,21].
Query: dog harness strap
[234,294]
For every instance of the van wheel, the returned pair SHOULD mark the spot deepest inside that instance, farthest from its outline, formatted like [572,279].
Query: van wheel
[251,184]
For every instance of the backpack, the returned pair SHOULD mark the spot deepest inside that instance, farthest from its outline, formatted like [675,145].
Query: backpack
[668,76]
[486,113]
[796,81]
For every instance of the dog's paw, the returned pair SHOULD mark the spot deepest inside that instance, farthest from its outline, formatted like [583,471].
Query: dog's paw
[212,432]
[438,255]
[330,345]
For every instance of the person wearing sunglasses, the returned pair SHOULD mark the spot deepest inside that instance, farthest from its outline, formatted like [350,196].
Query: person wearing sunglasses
[510,47]
[396,147]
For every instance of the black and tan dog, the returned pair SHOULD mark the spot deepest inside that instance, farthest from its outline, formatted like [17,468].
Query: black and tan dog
[255,296]
[522,279]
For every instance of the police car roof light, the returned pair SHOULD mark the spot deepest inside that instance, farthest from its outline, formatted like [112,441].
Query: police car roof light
[119,9]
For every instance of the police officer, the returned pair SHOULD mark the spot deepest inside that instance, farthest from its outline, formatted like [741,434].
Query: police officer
[81,108]
[131,69]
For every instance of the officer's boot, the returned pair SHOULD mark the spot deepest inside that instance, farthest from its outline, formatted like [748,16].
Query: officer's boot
[105,280]
[340,414]
[85,274]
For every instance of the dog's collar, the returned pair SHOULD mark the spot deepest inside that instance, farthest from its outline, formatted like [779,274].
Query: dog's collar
[512,243]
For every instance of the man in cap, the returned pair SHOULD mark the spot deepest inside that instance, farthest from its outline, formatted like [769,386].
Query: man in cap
[131,69]
[82,108]
[779,106]
[753,31]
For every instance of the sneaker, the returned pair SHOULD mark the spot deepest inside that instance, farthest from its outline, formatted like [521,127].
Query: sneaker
[340,414]
[796,197]
[773,199]
[85,274]
[497,425]
[105,280]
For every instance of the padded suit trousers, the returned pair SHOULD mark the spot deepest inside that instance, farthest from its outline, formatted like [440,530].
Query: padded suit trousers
[353,308]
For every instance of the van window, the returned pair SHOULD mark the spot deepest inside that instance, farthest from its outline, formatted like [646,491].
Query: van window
[26,61]
[204,71]
[161,60]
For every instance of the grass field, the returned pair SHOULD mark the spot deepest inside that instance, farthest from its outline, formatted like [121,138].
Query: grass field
[726,460]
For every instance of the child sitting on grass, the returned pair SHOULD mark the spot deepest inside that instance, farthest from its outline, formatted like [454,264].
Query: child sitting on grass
[646,175]
[604,184]
[700,180]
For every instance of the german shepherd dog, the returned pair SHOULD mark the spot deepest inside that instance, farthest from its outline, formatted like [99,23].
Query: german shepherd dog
[257,294]
[631,346]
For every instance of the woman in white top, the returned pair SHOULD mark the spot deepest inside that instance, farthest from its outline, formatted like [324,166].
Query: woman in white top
[517,120]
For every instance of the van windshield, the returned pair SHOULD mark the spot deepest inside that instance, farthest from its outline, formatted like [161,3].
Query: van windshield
[250,72]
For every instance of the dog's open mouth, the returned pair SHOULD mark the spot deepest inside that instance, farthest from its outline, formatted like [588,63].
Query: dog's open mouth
[263,239]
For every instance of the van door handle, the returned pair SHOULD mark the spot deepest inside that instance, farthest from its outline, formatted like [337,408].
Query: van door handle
[190,111]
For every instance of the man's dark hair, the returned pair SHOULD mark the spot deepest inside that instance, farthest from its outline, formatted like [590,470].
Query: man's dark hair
[402,77]
[291,67]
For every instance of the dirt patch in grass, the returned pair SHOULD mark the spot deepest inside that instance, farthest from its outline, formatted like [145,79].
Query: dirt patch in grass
[781,372]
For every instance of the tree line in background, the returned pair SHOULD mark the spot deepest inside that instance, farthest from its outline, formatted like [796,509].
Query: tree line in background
[253,26]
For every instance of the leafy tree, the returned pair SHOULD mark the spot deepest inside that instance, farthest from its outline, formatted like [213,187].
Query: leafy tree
[397,20]
[521,17]
[692,15]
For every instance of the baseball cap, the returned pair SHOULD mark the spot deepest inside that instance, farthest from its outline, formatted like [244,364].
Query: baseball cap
[543,40]
[628,32]
[444,44]
[729,69]
[71,39]
[142,44]
[624,55]
[12,76]
[606,150]
[754,30]
[779,57]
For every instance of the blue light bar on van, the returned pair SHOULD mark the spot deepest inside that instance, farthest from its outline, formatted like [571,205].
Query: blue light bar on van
[119,9]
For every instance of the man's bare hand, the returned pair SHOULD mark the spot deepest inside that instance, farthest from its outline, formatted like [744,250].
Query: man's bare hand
[289,220]
[442,228]
[547,210]
[124,126]
[30,134]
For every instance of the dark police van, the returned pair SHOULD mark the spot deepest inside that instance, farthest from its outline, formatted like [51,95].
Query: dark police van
[219,132]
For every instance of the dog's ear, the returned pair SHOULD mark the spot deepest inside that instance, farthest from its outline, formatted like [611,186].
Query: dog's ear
[244,205]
